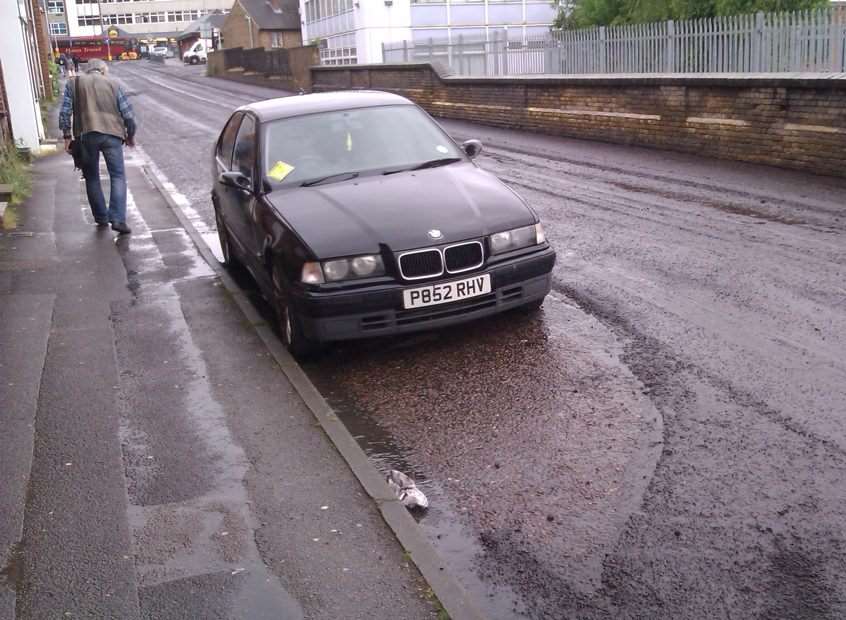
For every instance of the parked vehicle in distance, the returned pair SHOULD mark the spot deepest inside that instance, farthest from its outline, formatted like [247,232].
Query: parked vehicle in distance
[196,54]
[358,216]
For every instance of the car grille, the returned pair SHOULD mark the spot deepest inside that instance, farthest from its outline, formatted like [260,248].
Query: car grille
[421,264]
[464,257]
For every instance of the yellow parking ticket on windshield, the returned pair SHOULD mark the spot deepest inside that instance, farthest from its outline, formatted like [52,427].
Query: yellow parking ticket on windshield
[280,170]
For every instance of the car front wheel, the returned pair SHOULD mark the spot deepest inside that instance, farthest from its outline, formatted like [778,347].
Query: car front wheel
[290,326]
[229,260]
[292,335]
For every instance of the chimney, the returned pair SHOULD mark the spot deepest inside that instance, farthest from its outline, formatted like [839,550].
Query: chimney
[275,5]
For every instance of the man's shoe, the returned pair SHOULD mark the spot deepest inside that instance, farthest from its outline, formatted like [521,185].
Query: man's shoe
[121,227]
[102,224]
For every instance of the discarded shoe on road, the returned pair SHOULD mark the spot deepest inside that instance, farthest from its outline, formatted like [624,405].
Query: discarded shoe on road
[406,490]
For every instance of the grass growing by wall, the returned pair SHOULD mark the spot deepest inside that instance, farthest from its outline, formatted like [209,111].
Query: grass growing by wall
[15,172]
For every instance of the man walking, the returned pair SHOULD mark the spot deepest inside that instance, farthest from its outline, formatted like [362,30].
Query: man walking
[102,123]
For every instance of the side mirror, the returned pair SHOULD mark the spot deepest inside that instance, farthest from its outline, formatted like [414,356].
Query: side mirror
[472,148]
[236,180]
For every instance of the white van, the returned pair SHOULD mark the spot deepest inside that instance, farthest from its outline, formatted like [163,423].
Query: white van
[195,54]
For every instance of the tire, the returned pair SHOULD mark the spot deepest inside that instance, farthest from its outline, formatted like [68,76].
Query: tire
[290,327]
[230,261]
[293,337]
[194,60]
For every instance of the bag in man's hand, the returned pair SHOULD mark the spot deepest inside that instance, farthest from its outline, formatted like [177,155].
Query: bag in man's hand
[78,151]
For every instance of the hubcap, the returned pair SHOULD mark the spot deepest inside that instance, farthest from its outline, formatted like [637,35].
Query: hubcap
[289,328]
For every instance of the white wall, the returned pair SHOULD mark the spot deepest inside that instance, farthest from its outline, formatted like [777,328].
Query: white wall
[367,26]
[72,11]
[381,23]
[24,110]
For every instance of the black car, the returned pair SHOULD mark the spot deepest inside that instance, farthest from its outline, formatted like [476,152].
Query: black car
[358,216]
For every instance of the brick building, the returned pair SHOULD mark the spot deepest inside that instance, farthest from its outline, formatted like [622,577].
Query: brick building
[262,23]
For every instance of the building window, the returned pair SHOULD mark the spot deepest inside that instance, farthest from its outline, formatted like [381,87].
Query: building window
[118,18]
[151,18]
[56,7]
[319,9]
[58,28]
[88,20]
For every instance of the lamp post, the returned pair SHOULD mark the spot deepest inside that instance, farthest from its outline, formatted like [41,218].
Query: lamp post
[103,32]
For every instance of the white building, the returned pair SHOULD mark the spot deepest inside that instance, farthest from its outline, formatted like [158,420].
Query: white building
[352,31]
[137,17]
[21,72]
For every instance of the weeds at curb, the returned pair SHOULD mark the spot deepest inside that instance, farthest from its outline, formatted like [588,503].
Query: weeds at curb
[15,172]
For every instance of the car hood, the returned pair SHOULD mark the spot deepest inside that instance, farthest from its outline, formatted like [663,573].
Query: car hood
[398,210]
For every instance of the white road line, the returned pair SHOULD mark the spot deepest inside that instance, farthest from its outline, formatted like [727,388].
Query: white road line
[167,112]
[209,235]
[183,93]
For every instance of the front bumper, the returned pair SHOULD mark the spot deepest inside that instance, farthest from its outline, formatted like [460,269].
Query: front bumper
[329,316]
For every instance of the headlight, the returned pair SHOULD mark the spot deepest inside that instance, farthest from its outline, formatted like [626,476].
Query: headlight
[351,268]
[517,238]
[364,266]
[336,269]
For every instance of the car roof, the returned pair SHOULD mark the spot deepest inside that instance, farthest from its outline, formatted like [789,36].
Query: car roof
[298,105]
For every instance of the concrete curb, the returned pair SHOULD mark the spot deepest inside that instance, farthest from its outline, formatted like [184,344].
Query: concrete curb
[449,592]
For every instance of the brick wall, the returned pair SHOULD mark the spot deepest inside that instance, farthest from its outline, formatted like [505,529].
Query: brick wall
[236,32]
[284,68]
[44,51]
[236,29]
[782,121]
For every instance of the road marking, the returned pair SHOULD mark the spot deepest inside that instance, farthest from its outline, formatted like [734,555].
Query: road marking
[209,235]
[183,93]
[167,112]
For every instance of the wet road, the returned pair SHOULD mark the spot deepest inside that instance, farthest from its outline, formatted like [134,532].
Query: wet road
[667,437]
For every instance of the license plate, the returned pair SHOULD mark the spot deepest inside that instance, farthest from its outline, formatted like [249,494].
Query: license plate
[446,292]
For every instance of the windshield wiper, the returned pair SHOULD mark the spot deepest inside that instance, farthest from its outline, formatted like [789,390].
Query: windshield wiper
[341,176]
[432,163]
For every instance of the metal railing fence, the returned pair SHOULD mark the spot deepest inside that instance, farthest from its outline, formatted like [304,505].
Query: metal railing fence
[802,41]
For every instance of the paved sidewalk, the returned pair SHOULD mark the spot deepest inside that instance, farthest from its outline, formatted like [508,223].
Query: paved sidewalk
[156,463]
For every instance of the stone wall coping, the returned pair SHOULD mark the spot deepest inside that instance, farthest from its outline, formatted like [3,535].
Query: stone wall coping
[751,80]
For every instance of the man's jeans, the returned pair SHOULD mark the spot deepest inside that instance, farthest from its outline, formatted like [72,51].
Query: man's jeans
[112,149]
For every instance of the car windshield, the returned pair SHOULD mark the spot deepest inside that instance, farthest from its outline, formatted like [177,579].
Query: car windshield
[331,146]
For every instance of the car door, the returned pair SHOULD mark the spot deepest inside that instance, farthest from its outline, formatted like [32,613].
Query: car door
[241,203]
[224,196]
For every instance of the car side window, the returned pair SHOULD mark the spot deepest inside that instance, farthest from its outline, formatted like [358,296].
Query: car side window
[227,141]
[244,157]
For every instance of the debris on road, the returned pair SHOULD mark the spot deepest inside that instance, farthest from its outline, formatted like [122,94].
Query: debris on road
[406,490]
